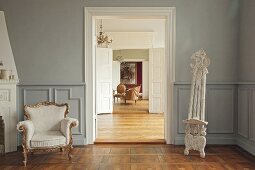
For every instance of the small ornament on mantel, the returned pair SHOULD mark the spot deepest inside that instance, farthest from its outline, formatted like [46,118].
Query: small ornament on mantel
[195,124]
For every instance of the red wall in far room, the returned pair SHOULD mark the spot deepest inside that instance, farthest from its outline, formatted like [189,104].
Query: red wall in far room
[139,74]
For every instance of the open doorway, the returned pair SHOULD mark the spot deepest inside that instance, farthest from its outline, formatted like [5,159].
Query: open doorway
[91,14]
[137,108]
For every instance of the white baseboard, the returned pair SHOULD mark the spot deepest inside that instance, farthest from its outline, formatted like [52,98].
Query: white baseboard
[214,140]
[246,144]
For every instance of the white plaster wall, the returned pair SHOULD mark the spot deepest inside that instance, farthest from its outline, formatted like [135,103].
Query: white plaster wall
[6,55]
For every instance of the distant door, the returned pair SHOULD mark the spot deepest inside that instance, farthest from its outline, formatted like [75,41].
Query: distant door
[145,83]
[103,80]
[156,60]
[115,74]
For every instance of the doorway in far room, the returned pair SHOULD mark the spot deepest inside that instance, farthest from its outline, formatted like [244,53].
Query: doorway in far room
[137,84]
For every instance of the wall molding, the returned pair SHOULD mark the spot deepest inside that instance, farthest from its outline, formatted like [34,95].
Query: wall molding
[218,83]
[48,90]
[70,97]
[90,13]
[211,139]
[208,83]
[246,144]
[227,113]
[246,90]
[222,88]
[51,84]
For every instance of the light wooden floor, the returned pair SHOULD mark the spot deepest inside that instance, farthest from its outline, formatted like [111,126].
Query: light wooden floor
[134,157]
[130,123]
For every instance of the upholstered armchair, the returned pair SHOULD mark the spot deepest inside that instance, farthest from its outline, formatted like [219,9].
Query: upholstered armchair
[132,94]
[121,90]
[46,129]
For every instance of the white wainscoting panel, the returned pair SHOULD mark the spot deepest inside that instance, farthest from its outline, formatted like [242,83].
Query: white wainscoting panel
[220,112]
[243,112]
[246,117]
[183,94]
[220,109]
[65,95]
[252,117]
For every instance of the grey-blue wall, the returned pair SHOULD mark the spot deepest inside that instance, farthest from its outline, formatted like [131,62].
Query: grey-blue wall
[47,41]
[246,87]
[45,34]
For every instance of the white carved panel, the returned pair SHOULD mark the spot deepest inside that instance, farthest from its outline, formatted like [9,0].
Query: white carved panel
[106,89]
[243,112]
[156,65]
[5,112]
[106,103]
[157,74]
[4,95]
[157,59]
[156,104]
[156,89]
[8,111]
[103,80]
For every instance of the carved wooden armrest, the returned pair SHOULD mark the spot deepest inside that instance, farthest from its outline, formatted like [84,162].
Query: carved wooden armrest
[27,128]
[66,125]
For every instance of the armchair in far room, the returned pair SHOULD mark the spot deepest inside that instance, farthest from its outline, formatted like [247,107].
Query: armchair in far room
[46,129]
[121,90]
[132,94]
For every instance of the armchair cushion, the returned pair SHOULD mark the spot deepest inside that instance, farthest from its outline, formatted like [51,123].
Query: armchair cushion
[48,139]
[65,127]
[46,118]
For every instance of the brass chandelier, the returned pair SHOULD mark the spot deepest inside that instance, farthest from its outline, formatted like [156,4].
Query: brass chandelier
[102,39]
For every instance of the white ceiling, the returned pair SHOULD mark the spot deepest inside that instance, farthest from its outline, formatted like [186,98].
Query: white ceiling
[137,25]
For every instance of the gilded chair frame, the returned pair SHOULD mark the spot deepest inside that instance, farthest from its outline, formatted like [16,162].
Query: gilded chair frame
[26,150]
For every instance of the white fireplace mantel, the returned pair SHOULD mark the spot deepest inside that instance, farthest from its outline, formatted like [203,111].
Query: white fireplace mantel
[8,88]
[8,111]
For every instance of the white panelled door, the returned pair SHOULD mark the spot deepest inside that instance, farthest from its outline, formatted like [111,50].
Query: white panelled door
[145,84]
[104,80]
[115,74]
[156,63]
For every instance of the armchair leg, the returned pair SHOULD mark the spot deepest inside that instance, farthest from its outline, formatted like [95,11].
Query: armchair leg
[25,157]
[69,149]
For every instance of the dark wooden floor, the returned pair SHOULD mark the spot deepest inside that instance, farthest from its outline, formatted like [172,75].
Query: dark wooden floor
[134,157]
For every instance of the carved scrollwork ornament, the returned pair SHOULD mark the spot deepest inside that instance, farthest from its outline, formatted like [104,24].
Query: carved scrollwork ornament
[199,63]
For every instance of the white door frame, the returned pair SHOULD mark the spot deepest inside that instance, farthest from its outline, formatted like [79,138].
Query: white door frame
[92,13]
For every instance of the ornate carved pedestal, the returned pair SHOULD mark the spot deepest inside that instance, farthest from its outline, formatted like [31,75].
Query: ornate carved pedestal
[8,112]
[195,136]
[195,124]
